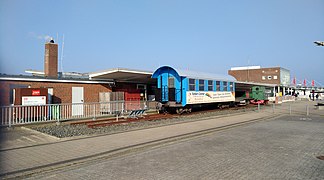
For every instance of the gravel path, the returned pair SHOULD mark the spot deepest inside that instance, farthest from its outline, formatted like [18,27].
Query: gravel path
[66,130]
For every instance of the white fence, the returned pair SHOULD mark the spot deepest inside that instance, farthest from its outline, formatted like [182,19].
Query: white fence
[296,108]
[15,115]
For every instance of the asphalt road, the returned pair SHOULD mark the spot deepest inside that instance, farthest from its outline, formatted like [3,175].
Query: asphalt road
[284,148]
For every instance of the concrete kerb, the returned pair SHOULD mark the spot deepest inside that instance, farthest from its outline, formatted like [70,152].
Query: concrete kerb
[127,150]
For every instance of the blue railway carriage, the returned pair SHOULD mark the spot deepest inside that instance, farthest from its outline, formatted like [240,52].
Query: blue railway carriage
[180,90]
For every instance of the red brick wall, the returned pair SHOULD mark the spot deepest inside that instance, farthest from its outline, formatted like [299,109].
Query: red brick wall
[255,75]
[62,92]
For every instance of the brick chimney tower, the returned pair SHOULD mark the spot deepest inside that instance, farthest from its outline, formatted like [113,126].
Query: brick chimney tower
[51,56]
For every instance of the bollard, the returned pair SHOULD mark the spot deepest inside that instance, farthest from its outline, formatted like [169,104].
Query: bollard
[273,108]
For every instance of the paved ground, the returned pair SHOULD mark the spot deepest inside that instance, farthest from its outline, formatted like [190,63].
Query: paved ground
[21,157]
[22,137]
[285,148]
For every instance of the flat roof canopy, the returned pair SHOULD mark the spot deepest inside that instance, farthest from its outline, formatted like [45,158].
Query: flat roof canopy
[124,75]
[140,76]
[243,86]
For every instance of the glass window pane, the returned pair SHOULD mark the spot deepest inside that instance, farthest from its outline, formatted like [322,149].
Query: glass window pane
[217,86]
[192,85]
[231,86]
[171,82]
[225,86]
[201,85]
[210,85]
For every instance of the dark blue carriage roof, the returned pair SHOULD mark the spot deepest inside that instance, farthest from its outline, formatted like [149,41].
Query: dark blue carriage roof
[194,75]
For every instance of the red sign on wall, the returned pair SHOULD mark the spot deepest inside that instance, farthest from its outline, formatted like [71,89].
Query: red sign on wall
[35,92]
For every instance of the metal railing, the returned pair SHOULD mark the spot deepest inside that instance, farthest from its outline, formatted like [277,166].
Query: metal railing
[299,108]
[16,115]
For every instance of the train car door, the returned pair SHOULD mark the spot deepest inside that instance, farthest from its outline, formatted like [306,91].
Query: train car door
[164,88]
[171,89]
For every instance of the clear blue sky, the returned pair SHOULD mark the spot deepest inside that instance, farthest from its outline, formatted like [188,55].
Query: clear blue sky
[200,35]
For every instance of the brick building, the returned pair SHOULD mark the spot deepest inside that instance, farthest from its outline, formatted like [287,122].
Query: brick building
[59,90]
[76,87]
[275,75]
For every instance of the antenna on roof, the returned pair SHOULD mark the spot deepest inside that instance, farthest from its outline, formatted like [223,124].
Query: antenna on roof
[58,51]
[62,55]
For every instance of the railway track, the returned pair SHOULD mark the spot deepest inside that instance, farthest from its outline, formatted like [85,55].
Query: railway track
[150,117]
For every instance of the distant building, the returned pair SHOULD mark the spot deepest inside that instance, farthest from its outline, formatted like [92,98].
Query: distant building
[275,75]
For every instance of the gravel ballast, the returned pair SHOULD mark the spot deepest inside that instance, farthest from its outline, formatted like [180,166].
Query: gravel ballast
[66,130]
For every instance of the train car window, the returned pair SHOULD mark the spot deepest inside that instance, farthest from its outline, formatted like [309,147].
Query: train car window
[171,82]
[201,85]
[231,86]
[225,86]
[217,86]
[210,85]
[192,85]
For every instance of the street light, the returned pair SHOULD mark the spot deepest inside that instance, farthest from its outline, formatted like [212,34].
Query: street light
[319,43]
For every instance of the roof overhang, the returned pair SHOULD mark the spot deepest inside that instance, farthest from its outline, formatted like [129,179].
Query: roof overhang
[33,79]
[123,75]
[256,84]
[240,85]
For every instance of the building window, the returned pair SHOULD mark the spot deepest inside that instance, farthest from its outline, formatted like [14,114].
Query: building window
[225,86]
[210,85]
[201,85]
[275,77]
[141,86]
[192,85]
[263,77]
[217,86]
[269,77]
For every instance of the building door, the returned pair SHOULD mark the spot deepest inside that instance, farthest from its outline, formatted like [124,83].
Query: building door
[50,96]
[77,101]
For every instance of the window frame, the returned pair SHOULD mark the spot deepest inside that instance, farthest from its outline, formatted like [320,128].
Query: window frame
[171,81]
[201,85]
[225,84]
[210,87]
[231,86]
[218,86]
[192,84]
